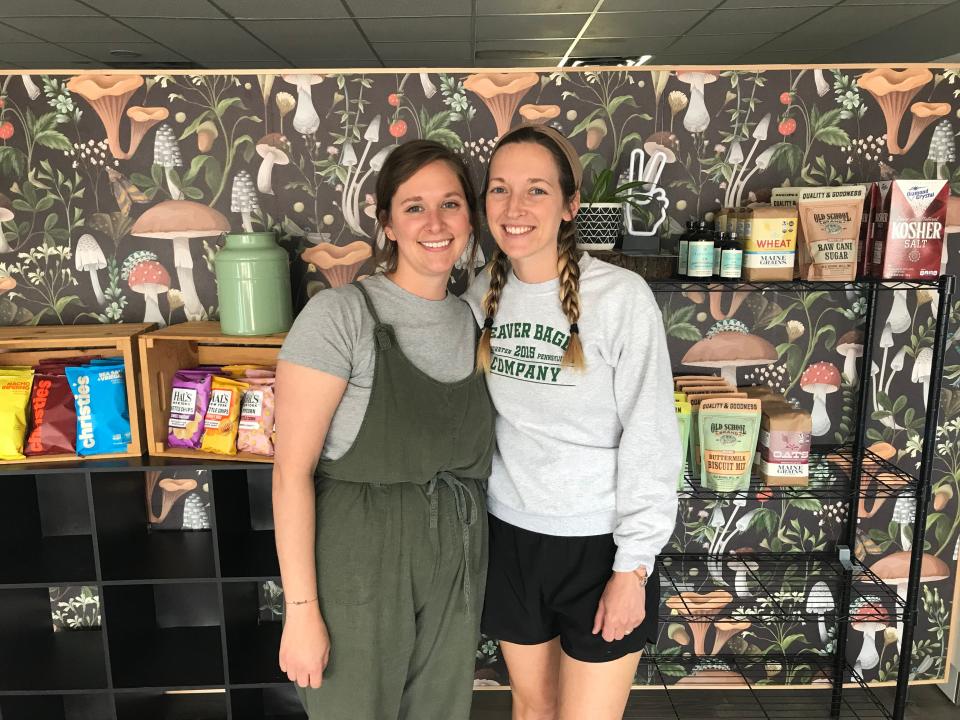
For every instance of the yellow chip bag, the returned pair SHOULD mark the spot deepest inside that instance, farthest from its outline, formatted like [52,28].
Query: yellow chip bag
[220,424]
[15,386]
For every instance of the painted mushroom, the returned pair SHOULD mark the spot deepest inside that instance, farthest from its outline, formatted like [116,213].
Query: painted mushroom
[173,489]
[150,279]
[243,199]
[179,221]
[921,371]
[850,346]
[904,513]
[338,263]
[744,568]
[713,674]
[820,379]
[596,132]
[894,570]
[305,120]
[678,633]
[697,118]
[820,602]
[943,148]
[108,95]
[6,215]
[275,150]
[141,120]
[661,149]
[88,257]
[501,93]
[166,154]
[869,617]
[693,605]
[726,629]
[924,114]
[539,114]
[33,92]
[894,90]
[207,134]
[729,345]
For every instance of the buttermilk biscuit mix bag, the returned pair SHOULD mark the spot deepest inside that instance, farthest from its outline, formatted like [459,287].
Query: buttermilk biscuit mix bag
[728,429]
[908,231]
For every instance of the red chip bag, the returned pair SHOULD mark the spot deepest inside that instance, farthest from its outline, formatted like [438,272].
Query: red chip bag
[53,427]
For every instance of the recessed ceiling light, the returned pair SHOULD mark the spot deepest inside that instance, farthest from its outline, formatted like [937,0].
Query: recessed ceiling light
[612,61]
[125,54]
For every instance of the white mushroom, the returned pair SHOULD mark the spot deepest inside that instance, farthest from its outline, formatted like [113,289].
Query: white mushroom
[850,347]
[943,148]
[820,379]
[872,613]
[88,257]
[305,120]
[33,92]
[921,371]
[243,199]
[6,214]
[275,150]
[741,582]
[697,118]
[904,513]
[819,603]
[899,317]
[735,154]
[166,154]
[429,89]
[823,87]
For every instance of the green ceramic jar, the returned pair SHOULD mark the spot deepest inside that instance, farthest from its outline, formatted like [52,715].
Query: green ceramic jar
[253,285]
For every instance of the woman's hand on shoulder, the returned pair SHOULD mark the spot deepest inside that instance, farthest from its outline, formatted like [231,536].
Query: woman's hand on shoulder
[304,645]
[622,607]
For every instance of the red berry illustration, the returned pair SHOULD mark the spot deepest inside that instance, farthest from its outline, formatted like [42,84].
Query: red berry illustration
[786,97]
[6,130]
[764,495]
[393,99]
[398,129]
[787,126]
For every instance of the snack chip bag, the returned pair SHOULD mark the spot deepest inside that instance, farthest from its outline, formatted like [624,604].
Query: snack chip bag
[223,412]
[15,384]
[53,421]
[256,416]
[100,395]
[238,371]
[189,398]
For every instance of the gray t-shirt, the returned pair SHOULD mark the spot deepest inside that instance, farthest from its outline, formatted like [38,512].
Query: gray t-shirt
[334,333]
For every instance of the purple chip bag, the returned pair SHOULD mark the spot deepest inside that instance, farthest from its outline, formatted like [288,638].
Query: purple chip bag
[190,395]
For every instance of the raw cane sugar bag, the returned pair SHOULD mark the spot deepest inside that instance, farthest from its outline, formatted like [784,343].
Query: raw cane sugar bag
[223,413]
[15,384]
[256,416]
[189,398]
[100,396]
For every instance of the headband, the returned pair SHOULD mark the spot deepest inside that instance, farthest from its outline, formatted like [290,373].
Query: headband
[558,139]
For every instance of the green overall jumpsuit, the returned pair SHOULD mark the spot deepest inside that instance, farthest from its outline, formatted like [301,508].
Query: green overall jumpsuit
[402,547]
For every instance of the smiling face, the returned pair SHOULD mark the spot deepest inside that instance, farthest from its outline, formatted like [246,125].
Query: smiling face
[429,221]
[525,205]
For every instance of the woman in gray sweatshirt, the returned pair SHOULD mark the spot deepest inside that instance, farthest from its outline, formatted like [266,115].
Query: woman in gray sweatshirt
[583,494]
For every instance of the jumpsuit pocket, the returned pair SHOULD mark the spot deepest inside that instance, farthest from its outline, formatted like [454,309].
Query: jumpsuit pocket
[349,544]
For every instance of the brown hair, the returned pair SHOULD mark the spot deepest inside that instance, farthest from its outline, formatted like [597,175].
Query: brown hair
[401,165]
[567,262]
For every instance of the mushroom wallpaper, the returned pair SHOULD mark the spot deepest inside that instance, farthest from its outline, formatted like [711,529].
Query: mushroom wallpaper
[115,190]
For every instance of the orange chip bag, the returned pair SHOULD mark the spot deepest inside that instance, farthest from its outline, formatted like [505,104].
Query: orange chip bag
[15,385]
[221,421]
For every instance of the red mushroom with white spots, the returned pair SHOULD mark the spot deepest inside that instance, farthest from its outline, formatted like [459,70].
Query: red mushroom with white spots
[820,379]
[150,279]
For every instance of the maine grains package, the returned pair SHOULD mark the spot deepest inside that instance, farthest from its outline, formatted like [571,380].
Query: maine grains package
[256,416]
[223,413]
[189,399]
[15,384]
[100,397]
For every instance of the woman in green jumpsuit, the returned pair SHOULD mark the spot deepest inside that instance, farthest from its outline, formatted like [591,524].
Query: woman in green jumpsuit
[384,444]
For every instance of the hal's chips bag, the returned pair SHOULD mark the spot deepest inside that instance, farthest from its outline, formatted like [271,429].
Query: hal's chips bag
[221,421]
[189,398]
[15,384]
[256,416]
[100,395]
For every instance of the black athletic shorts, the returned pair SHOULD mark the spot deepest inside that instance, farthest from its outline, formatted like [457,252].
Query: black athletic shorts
[543,586]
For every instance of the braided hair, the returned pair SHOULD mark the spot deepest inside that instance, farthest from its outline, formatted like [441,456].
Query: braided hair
[568,266]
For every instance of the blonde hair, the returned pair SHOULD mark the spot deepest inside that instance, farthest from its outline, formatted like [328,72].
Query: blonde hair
[568,266]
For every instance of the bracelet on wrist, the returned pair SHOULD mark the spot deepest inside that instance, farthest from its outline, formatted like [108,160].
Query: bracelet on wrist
[641,574]
[299,602]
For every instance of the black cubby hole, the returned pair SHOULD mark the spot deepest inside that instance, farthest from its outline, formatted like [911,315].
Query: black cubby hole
[164,635]
[204,704]
[45,530]
[129,549]
[244,517]
[267,703]
[253,635]
[73,706]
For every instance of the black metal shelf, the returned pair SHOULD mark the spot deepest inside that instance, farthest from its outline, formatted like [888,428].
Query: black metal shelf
[830,472]
[677,284]
[772,587]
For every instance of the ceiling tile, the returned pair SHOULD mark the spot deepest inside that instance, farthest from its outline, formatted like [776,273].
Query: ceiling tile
[416,63]
[756,20]
[422,50]
[893,2]
[708,60]
[149,52]
[740,4]
[863,21]
[311,38]
[642,24]
[797,41]
[518,47]
[204,40]
[152,8]
[37,53]
[423,30]
[658,5]
[9,34]
[68,29]
[263,10]
[12,8]
[547,62]
[408,8]
[496,27]
[792,57]
[721,43]
[507,7]
[622,47]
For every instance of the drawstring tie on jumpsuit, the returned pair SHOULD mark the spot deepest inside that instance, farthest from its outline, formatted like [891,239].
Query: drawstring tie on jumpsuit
[467,514]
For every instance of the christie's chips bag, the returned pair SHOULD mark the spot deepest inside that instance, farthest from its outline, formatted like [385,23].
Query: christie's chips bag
[15,384]
[220,424]
[100,395]
[53,420]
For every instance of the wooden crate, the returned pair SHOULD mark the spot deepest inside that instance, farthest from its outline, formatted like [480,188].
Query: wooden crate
[187,345]
[27,345]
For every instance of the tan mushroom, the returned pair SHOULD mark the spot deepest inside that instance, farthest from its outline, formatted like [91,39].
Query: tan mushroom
[895,570]
[678,633]
[338,263]
[924,113]
[207,133]
[108,95]
[275,150]
[539,114]
[850,346]
[728,350]
[894,90]
[141,120]
[179,221]
[7,283]
[726,629]
[172,489]
[501,93]
[691,605]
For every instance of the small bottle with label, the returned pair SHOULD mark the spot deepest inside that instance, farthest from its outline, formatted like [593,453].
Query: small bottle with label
[684,247]
[700,252]
[719,238]
[731,258]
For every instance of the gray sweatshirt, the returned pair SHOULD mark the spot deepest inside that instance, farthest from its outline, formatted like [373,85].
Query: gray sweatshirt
[591,452]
